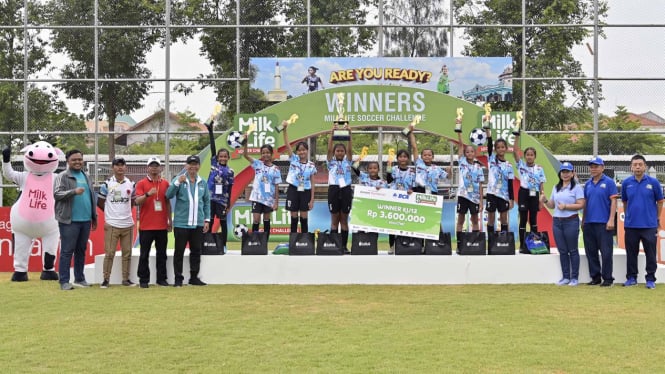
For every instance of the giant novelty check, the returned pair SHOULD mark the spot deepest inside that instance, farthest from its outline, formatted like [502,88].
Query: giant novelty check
[395,212]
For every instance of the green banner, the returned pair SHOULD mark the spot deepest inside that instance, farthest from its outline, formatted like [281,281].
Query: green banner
[396,212]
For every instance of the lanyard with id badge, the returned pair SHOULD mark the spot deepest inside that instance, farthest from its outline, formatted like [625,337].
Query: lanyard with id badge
[157,203]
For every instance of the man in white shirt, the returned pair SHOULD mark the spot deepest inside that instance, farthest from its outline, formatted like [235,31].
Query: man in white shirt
[116,197]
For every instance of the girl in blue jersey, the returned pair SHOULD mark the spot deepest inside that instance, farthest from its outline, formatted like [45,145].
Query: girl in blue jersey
[532,179]
[403,178]
[220,183]
[265,193]
[371,177]
[427,173]
[469,186]
[300,193]
[500,194]
[340,194]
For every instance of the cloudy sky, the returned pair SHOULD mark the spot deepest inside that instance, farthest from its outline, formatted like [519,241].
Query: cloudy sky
[635,52]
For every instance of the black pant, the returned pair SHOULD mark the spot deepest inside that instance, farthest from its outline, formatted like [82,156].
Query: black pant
[146,238]
[183,236]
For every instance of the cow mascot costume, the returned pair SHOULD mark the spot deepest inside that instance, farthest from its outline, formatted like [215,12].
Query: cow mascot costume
[33,215]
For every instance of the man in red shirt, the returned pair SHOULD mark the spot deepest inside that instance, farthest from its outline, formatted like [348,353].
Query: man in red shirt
[154,222]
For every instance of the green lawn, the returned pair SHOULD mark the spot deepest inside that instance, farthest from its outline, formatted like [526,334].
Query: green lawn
[296,329]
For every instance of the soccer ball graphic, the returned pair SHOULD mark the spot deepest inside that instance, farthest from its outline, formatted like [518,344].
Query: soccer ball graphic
[233,139]
[477,136]
[239,230]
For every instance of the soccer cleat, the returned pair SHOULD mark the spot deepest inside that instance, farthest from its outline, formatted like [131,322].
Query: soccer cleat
[20,276]
[606,283]
[197,282]
[163,283]
[49,275]
[144,285]
[573,282]
[594,282]
[651,285]
[563,282]
[128,283]
[105,284]
[178,283]
[66,286]
[630,282]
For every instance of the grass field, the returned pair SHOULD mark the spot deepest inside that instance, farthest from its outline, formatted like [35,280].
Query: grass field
[356,329]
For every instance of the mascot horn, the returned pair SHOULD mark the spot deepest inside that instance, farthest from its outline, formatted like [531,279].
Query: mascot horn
[33,215]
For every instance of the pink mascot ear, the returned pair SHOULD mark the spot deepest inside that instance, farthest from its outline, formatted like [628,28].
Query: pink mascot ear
[25,148]
[59,151]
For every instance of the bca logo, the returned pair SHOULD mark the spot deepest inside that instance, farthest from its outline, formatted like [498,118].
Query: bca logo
[401,196]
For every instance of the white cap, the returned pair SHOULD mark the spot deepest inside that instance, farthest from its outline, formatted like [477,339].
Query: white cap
[153,159]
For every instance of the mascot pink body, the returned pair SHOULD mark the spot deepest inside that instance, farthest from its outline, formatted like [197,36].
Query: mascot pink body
[33,215]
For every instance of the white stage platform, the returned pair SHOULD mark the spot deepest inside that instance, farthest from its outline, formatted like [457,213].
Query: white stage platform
[233,268]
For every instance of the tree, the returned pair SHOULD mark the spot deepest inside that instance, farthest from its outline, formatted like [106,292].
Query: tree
[411,41]
[46,112]
[121,54]
[548,52]
[608,143]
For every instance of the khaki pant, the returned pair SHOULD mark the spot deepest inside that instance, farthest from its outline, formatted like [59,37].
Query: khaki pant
[113,235]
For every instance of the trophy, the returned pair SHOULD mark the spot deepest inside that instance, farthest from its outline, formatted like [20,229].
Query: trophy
[407,130]
[243,138]
[294,117]
[518,121]
[458,120]
[340,126]
[487,117]
[363,154]
[391,157]
[214,116]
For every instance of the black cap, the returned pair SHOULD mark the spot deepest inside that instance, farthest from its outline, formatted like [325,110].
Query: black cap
[118,161]
[193,158]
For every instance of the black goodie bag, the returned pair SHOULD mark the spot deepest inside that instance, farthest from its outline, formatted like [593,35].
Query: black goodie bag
[329,244]
[471,243]
[500,243]
[301,244]
[443,246]
[364,243]
[406,245]
[212,244]
[254,243]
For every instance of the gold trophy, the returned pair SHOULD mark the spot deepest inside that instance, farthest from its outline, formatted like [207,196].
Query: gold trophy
[391,154]
[518,122]
[214,117]
[341,125]
[294,117]
[488,116]
[407,130]
[458,120]
[363,154]
[251,129]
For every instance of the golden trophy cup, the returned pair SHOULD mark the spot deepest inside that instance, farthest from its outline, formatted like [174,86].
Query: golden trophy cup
[518,122]
[294,117]
[363,154]
[407,130]
[341,125]
[488,116]
[458,120]
[251,129]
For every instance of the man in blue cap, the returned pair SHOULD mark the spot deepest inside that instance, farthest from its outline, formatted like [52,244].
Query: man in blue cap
[642,197]
[600,193]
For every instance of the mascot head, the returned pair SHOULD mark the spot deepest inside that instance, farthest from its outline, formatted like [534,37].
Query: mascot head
[41,157]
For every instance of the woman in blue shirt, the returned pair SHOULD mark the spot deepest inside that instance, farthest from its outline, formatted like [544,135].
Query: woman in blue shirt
[567,199]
